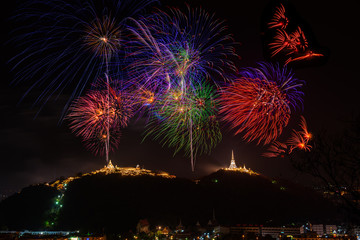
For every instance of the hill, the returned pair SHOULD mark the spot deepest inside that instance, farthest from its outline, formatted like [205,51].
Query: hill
[115,202]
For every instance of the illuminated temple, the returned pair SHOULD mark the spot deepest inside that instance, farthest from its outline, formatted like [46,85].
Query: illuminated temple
[233,167]
[111,169]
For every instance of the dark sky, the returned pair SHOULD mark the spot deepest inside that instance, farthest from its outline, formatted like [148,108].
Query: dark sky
[39,150]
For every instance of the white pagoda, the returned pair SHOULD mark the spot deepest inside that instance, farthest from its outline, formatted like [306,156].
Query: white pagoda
[233,167]
[232,164]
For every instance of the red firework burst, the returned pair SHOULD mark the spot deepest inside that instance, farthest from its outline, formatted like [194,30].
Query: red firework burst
[281,42]
[276,149]
[96,143]
[297,140]
[289,44]
[98,113]
[299,41]
[257,108]
[279,19]
[304,131]
[300,139]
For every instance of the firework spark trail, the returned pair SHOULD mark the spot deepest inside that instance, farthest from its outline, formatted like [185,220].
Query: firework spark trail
[152,59]
[191,146]
[307,55]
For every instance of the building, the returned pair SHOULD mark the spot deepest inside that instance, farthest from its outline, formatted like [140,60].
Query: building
[330,229]
[244,229]
[318,228]
[232,163]
[111,169]
[275,232]
[322,229]
[47,235]
[143,226]
[221,230]
[243,169]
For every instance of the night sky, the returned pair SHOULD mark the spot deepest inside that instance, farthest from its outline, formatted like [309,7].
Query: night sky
[40,150]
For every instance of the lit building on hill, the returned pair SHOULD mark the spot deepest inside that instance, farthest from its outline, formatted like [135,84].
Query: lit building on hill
[232,163]
[111,169]
[243,169]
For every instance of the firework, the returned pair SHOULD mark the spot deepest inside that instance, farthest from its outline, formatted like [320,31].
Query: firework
[103,141]
[103,36]
[304,131]
[281,76]
[289,44]
[276,149]
[96,115]
[300,139]
[150,60]
[186,120]
[65,44]
[171,48]
[199,41]
[292,46]
[279,19]
[297,140]
[300,43]
[282,41]
[145,97]
[259,104]
[305,56]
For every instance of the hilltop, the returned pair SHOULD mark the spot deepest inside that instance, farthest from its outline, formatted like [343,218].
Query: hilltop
[113,201]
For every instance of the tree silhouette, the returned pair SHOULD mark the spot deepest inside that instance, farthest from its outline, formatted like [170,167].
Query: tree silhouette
[335,162]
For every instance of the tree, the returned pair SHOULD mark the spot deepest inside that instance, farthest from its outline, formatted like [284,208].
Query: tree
[335,161]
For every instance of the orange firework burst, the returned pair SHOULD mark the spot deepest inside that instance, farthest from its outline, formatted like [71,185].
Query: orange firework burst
[145,96]
[103,36]
[279,19]
[304,131]
[297,140]
[291,44]
[288,43]
[299,40]
[300,139]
